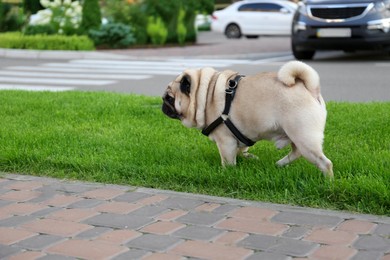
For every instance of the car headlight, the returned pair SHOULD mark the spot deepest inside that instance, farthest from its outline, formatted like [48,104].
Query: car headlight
[382,6]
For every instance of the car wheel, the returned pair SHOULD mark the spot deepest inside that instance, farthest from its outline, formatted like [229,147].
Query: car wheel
[233,31]
[252,36]
[303,55]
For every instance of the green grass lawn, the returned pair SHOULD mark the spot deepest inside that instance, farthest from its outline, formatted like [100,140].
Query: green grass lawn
[126,139]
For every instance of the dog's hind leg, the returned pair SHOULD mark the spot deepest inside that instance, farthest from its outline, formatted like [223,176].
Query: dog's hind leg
[292,156]
[314,154]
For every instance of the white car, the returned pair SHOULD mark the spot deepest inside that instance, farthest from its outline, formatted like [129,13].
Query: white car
[252,18]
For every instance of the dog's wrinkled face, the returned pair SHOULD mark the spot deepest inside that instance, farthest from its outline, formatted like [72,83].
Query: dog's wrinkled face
[176,98]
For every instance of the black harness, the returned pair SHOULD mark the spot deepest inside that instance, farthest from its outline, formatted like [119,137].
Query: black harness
[224,118]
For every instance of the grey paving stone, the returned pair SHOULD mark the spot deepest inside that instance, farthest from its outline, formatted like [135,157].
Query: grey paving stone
[368,255]
[268,256]
[6,251]
[372,242]
[296,232]
[39,242]
[118,221]
[198,233]
[73,187]
[45,212]
[225,209]
[131,196]
[4,203]
[181,203]
[15,221]
[279,245]
[149,211]
[47,193]
[201,218]
[301,218]
[383,230]
[93,233]
[294,247]
[259,242]
[56,257]
[85,203]
[2,191]
[131,254]
[153,242]
[4,184]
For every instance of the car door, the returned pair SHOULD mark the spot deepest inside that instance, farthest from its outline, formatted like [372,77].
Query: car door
[277,19]
[250,19]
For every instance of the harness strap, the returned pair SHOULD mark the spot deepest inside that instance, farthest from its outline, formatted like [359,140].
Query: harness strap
[224,118]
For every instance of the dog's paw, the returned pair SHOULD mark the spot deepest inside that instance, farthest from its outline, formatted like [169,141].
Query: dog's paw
[249,155]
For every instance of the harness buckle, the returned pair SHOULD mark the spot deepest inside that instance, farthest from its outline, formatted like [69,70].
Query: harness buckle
[233,84]
[229,91]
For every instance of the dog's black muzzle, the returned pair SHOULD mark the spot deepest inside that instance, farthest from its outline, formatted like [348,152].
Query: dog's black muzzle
[168,107]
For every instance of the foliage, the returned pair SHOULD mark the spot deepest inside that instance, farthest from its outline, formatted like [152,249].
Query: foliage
[156,30]
[11,17]
[32,6]
[136,15]
[115,35]
[169,10]
[117,138]
[17,40]
[39,29]
[91,15]
[181,29]
[119,11]
[63,15]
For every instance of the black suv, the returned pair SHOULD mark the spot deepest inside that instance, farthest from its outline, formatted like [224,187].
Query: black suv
[340,25]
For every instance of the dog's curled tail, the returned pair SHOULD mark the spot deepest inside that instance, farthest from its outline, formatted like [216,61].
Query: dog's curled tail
[293,70]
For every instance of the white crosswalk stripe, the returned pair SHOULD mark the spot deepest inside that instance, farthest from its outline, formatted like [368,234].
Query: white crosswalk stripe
[56,76]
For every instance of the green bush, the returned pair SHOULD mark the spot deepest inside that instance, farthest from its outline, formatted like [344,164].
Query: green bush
[130,14]
[91,15]
[114,35]
[181,29]
[136,16]
[16,40]
[168,10]
[39,29]
[157,30]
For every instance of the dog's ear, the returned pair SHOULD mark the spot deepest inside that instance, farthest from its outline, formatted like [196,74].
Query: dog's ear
[185,85]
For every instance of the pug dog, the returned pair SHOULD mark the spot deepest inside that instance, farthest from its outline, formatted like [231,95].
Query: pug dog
[285,107]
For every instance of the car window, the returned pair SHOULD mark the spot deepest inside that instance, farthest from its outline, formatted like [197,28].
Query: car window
[260,7]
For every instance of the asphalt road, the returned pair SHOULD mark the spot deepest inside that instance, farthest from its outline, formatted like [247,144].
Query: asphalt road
[360,77]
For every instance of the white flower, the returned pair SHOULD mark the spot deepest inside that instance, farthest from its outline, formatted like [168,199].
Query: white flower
[75,4]
[45,3]
[42,17]
[78,9]
[69,12]
[67,2]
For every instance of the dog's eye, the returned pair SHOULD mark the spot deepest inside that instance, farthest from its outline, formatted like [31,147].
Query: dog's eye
[185,85]
[170,99]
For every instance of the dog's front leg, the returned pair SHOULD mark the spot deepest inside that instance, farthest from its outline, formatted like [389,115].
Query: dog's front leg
[228,151]
[246,154]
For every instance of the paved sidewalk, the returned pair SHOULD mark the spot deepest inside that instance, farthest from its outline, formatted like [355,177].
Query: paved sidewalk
[209,45]
[42,218]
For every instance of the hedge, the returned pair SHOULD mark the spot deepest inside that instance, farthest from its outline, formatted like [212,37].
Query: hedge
[16,40]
